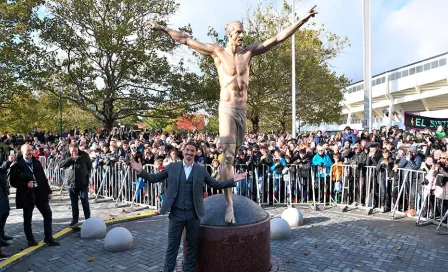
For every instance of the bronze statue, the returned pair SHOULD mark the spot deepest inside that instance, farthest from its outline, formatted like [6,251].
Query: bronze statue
[233,63]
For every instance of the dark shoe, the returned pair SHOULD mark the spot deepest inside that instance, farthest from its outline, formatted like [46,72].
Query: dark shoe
[32,243]
[73,223]
[6,238]
[3,254]
[4,243]
[52,243]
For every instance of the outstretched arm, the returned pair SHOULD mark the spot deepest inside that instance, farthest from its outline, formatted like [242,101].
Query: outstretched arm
[262,47]
[206,49]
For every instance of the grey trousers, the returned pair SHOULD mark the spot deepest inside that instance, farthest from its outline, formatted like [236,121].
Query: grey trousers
[180,219]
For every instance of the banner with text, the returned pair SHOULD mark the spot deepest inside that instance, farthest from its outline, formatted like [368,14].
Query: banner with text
[422,122]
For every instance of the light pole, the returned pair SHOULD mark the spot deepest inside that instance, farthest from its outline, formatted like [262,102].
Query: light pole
[60,90]
[367,56]
[293,50]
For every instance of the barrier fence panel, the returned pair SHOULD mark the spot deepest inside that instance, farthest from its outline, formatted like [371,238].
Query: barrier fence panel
[406,192]
[342,185]
[43,161]
[441,199]
[434,201]
[321,185]
[373,187]
[262,177]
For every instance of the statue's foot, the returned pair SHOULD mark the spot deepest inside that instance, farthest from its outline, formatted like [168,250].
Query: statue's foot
[230,217]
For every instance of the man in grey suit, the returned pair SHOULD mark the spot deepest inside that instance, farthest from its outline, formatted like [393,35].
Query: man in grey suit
[184,201]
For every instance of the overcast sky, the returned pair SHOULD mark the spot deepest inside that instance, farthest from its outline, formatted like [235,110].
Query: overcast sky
[403,31]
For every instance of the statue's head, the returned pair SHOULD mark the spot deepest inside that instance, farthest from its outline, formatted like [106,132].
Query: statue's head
[235,32]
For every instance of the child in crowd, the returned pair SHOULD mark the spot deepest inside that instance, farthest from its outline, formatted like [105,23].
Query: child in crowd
[336,177]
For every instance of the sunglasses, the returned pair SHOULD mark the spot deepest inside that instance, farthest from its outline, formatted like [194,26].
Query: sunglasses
[443,157]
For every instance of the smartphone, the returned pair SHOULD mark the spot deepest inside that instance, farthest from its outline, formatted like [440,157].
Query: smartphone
[11,152]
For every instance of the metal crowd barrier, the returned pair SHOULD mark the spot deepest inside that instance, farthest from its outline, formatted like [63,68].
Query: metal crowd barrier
[43,161]
[434,203]
[405,192]
[345,187]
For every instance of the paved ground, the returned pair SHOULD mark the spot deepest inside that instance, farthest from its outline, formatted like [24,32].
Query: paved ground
[328,241]
[61,210]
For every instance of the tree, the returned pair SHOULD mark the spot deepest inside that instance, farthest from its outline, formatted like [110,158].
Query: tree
[318,94]
[42,110]
[192,122]
[17,51]
[111,64]
[164,123]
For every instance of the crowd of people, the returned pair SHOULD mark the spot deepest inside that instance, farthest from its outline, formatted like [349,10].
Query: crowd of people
[273,161]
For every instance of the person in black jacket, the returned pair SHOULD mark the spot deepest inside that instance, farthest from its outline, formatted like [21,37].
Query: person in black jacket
[304,169]
[262,161]
[28,176]
[78,168]
[4,202]
[385,171]
[358,159]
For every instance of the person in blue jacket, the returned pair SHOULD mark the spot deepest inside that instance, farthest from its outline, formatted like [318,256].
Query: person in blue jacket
[348,135]
[322,164]
[276,168]
[318,139]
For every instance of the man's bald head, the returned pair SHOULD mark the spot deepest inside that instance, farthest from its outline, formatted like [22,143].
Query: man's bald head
[27,151]
[231,26]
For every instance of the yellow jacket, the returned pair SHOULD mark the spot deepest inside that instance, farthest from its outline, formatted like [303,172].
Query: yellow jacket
[336,171]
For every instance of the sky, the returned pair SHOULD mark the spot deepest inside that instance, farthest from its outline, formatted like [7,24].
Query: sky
[403,31]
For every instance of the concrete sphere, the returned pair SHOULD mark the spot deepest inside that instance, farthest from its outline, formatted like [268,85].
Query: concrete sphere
[280,229]
[118,239]
[93,228]
[293,216]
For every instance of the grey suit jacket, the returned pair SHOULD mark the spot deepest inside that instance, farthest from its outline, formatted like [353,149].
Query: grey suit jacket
[172,174]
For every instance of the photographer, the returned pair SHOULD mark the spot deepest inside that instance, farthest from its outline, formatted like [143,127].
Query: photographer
[148,157]
[124,152]
[77,174]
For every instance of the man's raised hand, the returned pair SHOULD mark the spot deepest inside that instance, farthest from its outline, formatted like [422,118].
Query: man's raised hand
[312,12]
[239,176]
[137,166]
[154,26]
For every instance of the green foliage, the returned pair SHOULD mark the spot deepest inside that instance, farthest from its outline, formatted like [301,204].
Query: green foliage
[18,54]
[213,124]
[42,110]
[318,94]
[111,64]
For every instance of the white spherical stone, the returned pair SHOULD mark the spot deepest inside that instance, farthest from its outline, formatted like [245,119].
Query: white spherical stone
[93,228]
[118,239]
[293,216]
[280,229]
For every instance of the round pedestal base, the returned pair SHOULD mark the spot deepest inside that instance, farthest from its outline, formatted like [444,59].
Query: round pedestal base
[243,246]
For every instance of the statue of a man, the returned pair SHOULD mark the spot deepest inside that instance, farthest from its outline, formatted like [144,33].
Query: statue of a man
[233,63]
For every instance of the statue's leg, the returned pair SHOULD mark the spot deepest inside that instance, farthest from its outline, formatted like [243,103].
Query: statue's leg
[225,173]
[228,139]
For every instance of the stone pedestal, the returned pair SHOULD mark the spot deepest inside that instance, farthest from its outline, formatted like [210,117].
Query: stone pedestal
[244,246]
